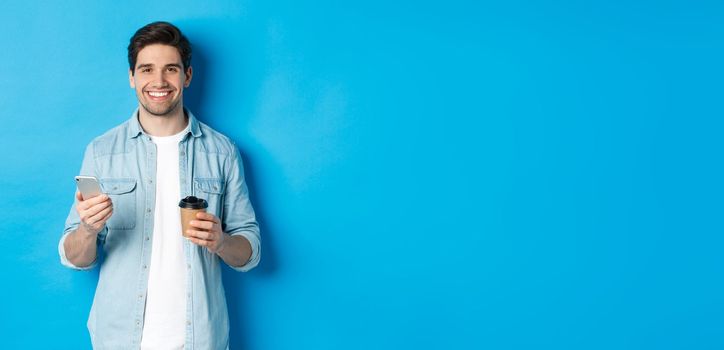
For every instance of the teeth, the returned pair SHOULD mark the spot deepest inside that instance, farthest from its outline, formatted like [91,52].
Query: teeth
[158,94]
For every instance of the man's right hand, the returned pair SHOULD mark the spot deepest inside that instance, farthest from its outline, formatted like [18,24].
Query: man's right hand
[93,212]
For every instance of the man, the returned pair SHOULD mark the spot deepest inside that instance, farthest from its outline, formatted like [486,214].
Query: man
[156,288]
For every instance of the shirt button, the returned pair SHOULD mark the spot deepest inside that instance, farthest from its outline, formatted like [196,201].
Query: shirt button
[150,181]
[182,153]
[140,296]
[146,238]
[188,266]
[188,323]
[144,266]
[148,210]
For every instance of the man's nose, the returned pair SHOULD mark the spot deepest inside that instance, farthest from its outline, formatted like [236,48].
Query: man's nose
[159,79]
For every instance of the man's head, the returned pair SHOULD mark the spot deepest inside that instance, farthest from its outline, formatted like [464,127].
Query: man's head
[159,58]
[159,33]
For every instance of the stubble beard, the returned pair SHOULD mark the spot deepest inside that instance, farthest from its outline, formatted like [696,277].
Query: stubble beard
[161,111]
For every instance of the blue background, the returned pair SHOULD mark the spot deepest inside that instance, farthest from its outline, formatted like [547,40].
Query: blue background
[428,175]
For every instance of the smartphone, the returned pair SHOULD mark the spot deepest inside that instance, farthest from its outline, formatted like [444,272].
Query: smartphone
[88,186]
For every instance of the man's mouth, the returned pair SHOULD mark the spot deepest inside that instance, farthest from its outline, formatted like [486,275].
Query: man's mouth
[158,95]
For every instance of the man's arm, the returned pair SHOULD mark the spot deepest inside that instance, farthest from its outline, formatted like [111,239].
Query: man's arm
[80,245]
[236,240]
[234,250]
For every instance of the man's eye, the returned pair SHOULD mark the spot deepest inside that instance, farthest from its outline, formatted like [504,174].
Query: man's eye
[145,70]
[172,69]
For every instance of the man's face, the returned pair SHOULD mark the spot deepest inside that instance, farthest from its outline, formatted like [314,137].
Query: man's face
[159,79]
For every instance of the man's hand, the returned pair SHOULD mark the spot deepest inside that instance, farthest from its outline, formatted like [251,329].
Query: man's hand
[93,212]
[207,232]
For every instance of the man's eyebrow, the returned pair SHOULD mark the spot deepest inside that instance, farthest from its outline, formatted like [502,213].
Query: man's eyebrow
[150,65]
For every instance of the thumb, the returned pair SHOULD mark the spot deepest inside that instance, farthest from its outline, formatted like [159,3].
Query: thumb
[78,196]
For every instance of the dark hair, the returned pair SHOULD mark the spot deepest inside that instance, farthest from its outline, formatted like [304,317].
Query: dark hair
[159,33]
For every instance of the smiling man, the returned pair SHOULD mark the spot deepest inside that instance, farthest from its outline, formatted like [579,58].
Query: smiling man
[158,289]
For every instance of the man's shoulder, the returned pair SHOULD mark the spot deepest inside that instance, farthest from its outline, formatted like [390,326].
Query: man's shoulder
[113,139]
[214,141]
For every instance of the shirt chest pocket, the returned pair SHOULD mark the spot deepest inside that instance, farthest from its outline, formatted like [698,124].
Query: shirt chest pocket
[123,195]
[212,190]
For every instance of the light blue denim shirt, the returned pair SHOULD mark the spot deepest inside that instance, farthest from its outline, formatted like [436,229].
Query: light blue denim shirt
[124,160]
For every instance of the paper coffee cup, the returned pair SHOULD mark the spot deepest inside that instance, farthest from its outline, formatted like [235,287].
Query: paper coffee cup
[189,207]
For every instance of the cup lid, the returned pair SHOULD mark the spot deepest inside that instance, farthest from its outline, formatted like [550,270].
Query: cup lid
[192,202]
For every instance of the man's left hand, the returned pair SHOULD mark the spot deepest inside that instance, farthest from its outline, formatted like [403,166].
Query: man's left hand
[206,232]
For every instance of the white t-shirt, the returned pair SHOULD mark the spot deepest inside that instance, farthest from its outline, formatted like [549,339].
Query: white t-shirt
[165,317]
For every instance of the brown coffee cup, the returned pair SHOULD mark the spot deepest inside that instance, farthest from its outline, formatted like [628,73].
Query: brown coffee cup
[189,207]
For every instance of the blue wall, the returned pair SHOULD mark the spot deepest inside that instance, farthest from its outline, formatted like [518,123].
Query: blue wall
[436,175]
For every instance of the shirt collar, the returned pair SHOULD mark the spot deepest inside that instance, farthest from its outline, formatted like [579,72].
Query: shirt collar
[134,126]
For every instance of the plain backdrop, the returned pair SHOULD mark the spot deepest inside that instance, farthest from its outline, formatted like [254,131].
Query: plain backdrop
[427,174]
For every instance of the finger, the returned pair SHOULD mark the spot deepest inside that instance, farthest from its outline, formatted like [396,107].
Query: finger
[207,217]
[108,216]
[205,225]
[200,242]
[204,235]
[97,208]
[98,217]
[102,205]
[84,205]
[98,199]
[86,215]
[91,219]
[78,196]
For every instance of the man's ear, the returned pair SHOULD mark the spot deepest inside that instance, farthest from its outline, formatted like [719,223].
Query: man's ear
[131,80]
[189,73]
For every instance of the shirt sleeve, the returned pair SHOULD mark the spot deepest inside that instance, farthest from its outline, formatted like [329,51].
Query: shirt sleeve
[239,218]
[73,220]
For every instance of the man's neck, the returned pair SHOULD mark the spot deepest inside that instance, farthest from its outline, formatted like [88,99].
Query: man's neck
[166,125]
